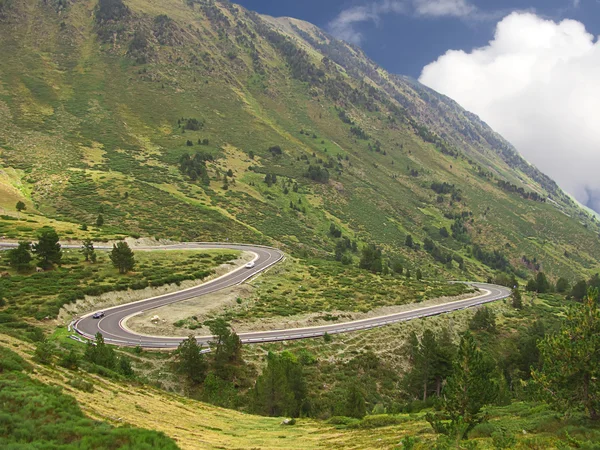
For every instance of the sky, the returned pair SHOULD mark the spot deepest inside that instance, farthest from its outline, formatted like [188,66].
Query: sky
[529,68]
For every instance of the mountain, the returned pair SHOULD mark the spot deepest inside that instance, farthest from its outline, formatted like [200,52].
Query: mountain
[299,137]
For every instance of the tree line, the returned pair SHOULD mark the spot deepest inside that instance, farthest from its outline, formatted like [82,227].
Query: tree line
[49,253]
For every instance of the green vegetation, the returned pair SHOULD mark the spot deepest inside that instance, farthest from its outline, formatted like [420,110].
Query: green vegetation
[333,289]
[47,249]
[122,257]
[35,415]
[569,376]
[364,158]
[190,361]
[469,388]
[380,191]
[39,295]
[20,257]
[281,390]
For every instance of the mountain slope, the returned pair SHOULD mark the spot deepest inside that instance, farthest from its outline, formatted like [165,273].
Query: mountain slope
[100,101]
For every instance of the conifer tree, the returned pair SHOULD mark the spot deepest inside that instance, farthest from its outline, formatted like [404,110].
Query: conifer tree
[190,361]
[227,350]
[122,257]
[355,402]
[470,387]
[88,250]
[19,258]
[569,378]
[47,249]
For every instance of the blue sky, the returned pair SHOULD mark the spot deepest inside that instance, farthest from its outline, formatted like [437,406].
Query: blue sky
[404,42]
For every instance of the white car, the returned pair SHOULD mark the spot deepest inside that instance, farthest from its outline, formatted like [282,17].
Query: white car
[250,265]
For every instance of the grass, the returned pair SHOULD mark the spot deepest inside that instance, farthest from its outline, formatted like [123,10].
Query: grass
[36,415]
[40,295]
[90,131]
[297,287]
[85,130]
[121,409]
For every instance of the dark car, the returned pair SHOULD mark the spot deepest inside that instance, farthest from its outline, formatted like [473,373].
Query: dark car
[98,315]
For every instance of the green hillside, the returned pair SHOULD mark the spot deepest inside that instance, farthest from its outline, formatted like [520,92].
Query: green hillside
[197,120]
[99,102]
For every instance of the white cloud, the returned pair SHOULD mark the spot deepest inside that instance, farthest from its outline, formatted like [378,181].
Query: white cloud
[440,8]
[344,25]
[538,84]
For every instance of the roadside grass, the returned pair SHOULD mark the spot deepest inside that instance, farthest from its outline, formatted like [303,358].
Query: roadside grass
[299,286]
[41,295]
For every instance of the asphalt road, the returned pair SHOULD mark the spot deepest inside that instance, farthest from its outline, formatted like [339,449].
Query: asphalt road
[113,328]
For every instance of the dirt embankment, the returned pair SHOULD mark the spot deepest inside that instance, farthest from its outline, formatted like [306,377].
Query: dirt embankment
[90,304]
[161,321]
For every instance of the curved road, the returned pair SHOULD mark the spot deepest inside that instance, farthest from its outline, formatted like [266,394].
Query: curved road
[114,330]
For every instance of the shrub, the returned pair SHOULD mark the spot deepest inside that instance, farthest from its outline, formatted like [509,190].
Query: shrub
[12,362]
[379,421]
[483,430]
[503,439]
[82,385]
[343,421]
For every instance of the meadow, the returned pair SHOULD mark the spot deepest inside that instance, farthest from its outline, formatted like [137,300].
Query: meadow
[41,295]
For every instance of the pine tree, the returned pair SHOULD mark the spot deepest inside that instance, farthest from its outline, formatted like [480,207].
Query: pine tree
[122,257]
[562,285]
[19,258]
[542,283]
[579,290]
[517,301]
[470,387]
[431,362]
[47,249]
[371,258]
[355,405]
[101,354]
[570,374]
[281,389]
[227,350]
[190,361]
[88,250]
[100,220]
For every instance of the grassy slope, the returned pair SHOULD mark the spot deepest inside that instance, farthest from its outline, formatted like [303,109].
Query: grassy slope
[86,129]
[194,424]
[190,423]
[42,295]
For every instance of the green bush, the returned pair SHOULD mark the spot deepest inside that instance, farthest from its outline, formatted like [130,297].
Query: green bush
[379,421]
[483,430]
[11,362]
[342,421]
[38,416]
[82,385]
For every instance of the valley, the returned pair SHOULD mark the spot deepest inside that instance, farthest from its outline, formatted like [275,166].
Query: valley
[207,177]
